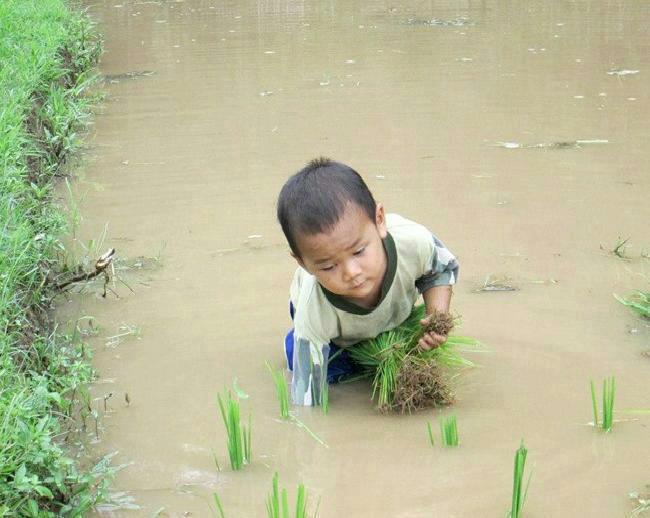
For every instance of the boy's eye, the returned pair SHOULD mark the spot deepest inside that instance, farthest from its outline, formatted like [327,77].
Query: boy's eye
[327,269]
[360,251]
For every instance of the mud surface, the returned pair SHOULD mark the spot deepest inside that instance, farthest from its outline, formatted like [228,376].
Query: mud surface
[451,111]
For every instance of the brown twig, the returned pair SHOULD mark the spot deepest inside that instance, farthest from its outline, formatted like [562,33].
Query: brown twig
[101,267]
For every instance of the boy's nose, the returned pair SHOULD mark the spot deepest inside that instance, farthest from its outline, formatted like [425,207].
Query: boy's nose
[351,270]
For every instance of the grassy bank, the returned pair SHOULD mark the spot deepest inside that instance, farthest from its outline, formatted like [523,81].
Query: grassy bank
[47,52]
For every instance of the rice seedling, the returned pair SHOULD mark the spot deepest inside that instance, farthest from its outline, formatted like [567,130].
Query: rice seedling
[405,377]
[519,497]
[449,431]
[277,502]
[239,436]
[639,302]
[217,503]
[430,432]
[281,390]
[609,392]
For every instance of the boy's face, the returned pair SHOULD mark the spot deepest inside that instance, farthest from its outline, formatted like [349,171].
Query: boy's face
[350,259]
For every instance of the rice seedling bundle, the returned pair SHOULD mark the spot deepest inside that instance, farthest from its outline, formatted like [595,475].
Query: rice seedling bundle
[518,491]
[239,436]
[405,377]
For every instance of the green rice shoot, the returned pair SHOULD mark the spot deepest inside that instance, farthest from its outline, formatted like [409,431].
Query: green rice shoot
[518,492]
[430,432]
[277,502]
[239,436]
[609,392]
[449,431]
[639,302]
[281,390]
[217,503]
[608,396]
[593,403]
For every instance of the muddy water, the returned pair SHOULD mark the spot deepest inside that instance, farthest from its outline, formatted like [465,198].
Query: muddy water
[440,118]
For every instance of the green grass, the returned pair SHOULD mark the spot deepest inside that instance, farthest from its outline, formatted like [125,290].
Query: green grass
[238,435]
[382,356]
[449,431]
[281,390]
[277,502]
[519,493]
[47,53]
[639,302]
[608,396]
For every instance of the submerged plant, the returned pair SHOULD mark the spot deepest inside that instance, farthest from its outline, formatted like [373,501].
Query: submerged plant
[642,500]
[609,392]
[620,247]
[277,503]
[239,436]
[449,431]
[281,390]
[518,492]
[405,377]
[639,302]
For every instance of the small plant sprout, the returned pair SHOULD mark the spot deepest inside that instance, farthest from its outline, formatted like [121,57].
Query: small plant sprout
[518,491]
[609,392]
[638,302]
[217,503]
[239,437]
[277,503]
[449,431]
[430,432]
[620,247]
[281,390]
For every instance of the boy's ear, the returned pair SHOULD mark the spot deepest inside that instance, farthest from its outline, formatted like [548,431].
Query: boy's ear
[298,260]
[380,221]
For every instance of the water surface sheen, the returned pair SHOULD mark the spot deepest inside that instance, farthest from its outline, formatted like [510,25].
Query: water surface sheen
[450,110]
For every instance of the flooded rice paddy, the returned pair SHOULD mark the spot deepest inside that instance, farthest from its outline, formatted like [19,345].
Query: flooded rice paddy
[517,131]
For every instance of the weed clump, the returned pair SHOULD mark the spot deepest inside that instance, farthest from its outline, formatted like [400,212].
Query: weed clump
[406,378]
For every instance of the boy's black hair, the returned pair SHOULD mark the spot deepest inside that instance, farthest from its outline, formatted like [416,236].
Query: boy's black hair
[313,200]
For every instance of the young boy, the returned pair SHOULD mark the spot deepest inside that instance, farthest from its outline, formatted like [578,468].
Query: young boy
[360,271]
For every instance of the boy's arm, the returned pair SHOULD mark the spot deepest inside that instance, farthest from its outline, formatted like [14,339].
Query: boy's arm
[436,288]
[435,299]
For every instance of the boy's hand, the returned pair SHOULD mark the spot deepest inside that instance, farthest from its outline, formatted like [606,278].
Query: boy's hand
[430,340]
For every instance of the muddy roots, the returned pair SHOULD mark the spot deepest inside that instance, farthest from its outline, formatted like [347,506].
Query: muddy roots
[440,323]
[420,384]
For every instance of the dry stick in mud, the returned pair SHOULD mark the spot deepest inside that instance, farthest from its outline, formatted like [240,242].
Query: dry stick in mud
[101,267]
